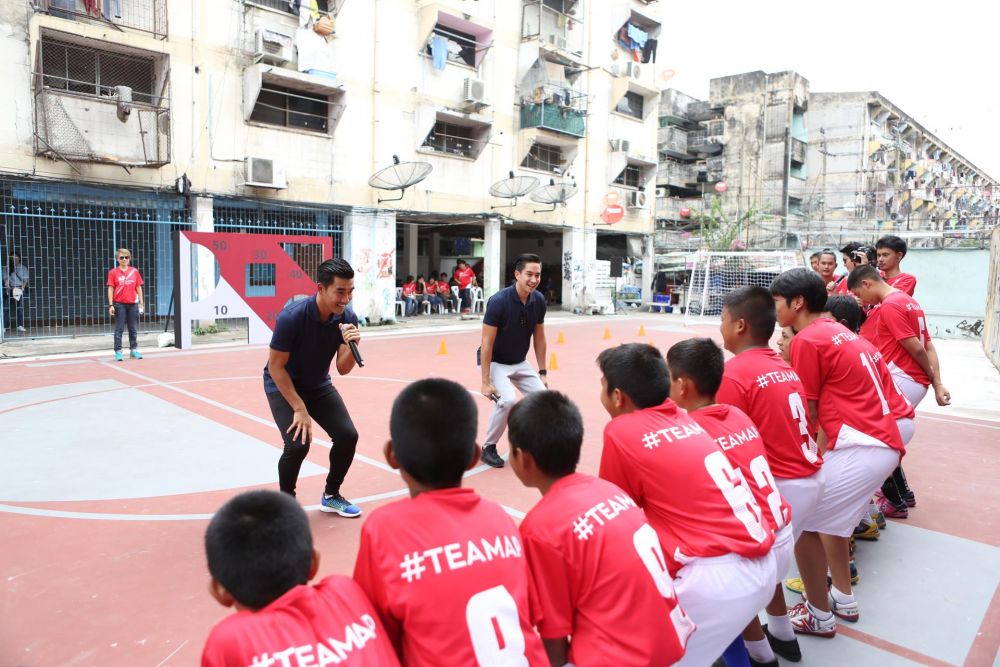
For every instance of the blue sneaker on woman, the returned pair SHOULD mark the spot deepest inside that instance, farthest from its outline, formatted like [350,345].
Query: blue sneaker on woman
[338,504]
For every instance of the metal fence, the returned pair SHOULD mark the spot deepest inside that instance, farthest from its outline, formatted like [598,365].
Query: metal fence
[145,15]
[991,324]
[254,216]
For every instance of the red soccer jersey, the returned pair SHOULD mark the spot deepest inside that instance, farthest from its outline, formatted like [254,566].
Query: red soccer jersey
[692,496]
[409,289]
[869,330]
[901,318]
[447,575]
[845,374]
[464,277]
[443,288]
[598,567]
[126,284]
[329,623]
[841,287]
[431,287]
[761,384]
[739,438]
[904,282]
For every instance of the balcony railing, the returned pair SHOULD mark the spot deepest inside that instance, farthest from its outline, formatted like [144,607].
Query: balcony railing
[88,128]
[671,207]
[676,173]
[556,30]
[555,108]
[144,15]
[798,151]
[672,139]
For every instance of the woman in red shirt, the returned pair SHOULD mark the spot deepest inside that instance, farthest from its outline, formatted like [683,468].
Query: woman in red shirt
[125,302]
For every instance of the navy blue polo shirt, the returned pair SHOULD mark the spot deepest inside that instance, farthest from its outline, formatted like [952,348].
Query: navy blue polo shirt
[312,344]
[515,323]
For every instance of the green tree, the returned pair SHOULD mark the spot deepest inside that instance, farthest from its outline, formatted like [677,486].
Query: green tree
[718,231]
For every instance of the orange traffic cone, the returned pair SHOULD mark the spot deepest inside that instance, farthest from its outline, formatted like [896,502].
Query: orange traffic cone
[443,349]
[642,330]
[607,333]
[553,365]
[561,339]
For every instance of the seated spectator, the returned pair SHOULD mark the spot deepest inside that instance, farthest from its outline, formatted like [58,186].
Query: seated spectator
[410,295]
[431,293]
[444,291]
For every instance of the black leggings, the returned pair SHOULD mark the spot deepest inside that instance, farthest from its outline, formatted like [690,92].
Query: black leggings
[327,409]
[126,313]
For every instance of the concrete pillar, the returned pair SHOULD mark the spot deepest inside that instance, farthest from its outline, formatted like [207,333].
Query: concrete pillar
[434,260]
[371,249]
[410,248]
[648,269]
[204,265]
[573,263]
[492,258]
[503,255]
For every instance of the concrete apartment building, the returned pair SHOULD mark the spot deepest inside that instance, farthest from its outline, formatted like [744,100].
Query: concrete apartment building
[817,168]
[117,105]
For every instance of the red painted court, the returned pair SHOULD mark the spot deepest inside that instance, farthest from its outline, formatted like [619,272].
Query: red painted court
[111,471]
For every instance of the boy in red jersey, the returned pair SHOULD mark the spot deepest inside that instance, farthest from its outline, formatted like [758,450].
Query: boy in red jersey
[902,337]
[713,535]
[852,399]
[596,564]
[761,383]
[445,568]
[890,251]
[261,557]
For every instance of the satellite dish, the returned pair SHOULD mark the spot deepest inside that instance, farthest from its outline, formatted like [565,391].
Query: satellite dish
[554,194]
[512,188]
[399,176]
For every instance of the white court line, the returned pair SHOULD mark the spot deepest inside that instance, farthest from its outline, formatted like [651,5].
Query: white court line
[924,415]
[173,653]
[69,362]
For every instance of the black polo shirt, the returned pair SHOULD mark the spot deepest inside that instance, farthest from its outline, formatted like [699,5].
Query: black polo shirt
[515,323]
[312,344]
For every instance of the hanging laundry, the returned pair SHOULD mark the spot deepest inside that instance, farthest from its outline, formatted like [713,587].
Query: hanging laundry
[637,35]
[91,7]
[649,51]
[439,51]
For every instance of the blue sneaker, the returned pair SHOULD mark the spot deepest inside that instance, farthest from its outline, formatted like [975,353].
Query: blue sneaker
[135,354]
[338,504]
[118,355]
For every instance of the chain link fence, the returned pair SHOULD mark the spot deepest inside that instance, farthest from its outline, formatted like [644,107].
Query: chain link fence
[145,15]
[991,325]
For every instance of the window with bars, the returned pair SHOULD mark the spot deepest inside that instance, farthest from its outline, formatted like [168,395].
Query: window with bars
[461,45]
[451,138]
[285,107]
[285,6]
[90,71]
[631,176]
[631,105]
[544,158]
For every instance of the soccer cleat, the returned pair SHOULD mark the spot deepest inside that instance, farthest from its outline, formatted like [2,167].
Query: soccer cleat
[786,648]
[910,498]
[805,622]
[886,507]
[491,458]
[866,531]
[879,519]
[118,355]
[338,504]
[758,663]
[849,611]
[135,354]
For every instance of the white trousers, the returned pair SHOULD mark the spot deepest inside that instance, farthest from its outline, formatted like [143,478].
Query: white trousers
[802,494]
[505,377]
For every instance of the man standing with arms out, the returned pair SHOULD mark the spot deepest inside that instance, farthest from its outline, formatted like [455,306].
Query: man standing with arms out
[514,317]
[308,335]
[890,251]
[466,278]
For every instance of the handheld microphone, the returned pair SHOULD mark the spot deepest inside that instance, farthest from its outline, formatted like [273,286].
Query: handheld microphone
[354,349]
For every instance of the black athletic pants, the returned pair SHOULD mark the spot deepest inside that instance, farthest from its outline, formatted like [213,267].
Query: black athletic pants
[327,409]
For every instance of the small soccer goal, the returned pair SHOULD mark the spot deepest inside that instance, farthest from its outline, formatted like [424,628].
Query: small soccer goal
[716,274]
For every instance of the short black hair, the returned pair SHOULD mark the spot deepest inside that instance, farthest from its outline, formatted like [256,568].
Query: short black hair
[700,360]
[815,255]
[259,547]
[443,275]
[755,305]
[828,251]
[638,370]
[433,429]
[893,243]
[845,309]
[461,261]
[410,279]
[862,272]
[333,268]
[850,248]
[547,425]
[526,258]
[801,282]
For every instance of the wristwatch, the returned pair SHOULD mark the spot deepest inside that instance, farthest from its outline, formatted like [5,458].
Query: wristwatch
[543,372]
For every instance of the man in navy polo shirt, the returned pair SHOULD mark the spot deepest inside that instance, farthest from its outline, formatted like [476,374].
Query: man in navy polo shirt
[308,335]
[514,318]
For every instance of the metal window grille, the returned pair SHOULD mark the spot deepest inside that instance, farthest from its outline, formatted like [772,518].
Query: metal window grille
[454,139]
[631,104]
[67,236]
[285,6]
[144,15]
[466,43]
[254,216]
[292,108]
[631,176]
[544,158]
[89,71]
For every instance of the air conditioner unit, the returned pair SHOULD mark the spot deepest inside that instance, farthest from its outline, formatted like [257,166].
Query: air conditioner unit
[620,145]
[661,192]
[632,70]
[265,173]
[558,41]
[635,199]
[474,92]
[273,47]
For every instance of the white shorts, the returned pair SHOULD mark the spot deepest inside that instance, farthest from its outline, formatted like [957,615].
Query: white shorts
[803,495]
[853,474]
[913,390]
[721,595]
[906,429]
[783,552]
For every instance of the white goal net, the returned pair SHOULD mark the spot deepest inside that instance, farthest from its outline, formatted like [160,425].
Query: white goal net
[716,274]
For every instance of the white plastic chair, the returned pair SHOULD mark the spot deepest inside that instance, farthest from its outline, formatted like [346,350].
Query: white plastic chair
[400,304]
[456,305]
[477,299]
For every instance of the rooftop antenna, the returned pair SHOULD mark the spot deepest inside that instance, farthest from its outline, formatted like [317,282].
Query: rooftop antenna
[553,194]
[399,176]
[512,188]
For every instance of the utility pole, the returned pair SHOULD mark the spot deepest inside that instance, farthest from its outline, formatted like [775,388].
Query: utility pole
[822,178]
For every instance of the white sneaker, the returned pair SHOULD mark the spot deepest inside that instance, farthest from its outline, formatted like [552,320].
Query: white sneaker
[21,329]
[804,622]
[848,611]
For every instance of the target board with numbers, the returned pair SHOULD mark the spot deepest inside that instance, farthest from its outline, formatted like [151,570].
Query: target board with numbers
[251,276]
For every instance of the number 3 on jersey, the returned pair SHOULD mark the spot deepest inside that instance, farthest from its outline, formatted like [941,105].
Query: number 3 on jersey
[495,628]
[809,447]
